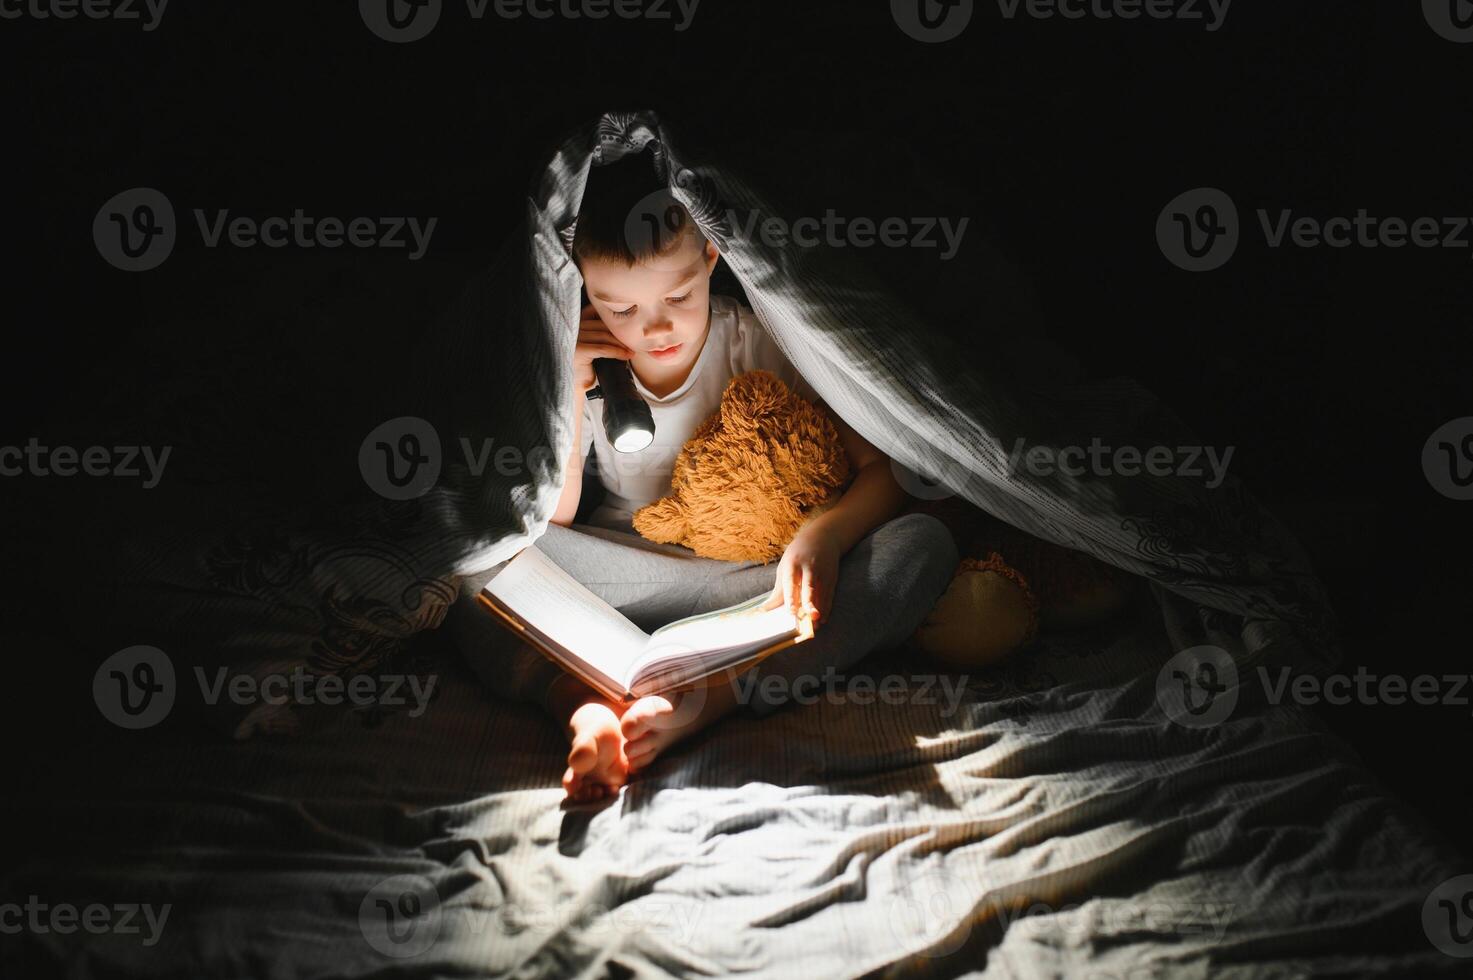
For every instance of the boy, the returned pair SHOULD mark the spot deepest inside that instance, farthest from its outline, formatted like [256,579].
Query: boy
[650,305]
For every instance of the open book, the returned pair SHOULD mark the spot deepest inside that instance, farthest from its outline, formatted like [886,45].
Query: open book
[591,639]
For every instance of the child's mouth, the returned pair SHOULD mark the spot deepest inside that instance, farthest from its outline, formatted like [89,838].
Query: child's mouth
[667,353]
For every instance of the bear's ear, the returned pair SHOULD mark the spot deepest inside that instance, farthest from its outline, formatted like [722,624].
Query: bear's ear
[664,521]
[751,397]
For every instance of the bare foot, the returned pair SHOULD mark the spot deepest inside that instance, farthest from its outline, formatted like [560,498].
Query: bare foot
[597,766]
[656,722]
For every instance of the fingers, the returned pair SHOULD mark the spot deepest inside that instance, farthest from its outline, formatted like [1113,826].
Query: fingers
[605,350]
[806,593]
[792,586]
[597,340]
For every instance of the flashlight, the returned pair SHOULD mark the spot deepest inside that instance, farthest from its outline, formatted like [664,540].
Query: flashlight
[627,419]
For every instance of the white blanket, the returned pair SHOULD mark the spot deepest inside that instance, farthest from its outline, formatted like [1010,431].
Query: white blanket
[1051,822]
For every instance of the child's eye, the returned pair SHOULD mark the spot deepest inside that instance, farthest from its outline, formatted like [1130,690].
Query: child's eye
[679,299]
[624,313]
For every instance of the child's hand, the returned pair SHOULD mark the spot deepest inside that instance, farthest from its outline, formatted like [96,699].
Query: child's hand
[807,575]
[594,340]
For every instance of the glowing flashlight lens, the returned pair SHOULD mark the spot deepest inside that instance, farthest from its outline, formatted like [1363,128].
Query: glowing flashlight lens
[633,440]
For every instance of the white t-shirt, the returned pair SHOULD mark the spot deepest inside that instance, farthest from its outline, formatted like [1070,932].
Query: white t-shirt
[737,342]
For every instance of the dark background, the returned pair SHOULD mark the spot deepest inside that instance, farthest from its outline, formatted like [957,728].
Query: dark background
[1060,140]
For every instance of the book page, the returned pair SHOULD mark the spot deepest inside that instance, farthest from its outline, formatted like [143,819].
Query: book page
[741,625]
[535,588]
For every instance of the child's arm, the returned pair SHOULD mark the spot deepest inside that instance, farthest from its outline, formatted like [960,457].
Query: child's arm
[809,570]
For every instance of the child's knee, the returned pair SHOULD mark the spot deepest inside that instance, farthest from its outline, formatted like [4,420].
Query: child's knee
[929,548]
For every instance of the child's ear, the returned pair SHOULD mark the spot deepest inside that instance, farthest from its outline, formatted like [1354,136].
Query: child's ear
[713,254]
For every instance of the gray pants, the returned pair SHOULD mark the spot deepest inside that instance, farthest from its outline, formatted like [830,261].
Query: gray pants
[888,582]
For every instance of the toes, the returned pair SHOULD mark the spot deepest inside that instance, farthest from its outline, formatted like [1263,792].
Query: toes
[641,716]
[609,744]
[585,754]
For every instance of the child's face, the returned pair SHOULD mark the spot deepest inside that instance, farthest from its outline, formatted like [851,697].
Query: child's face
[659,308]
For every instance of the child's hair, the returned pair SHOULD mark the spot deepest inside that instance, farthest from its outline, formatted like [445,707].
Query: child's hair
[629,216]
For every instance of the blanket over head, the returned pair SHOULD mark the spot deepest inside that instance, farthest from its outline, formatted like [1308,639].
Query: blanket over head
[497,375]
[1225,571]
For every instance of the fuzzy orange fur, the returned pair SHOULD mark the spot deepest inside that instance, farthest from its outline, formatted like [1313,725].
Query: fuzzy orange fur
[750,475]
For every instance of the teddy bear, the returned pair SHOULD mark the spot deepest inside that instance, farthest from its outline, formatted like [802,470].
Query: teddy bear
[768,461]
